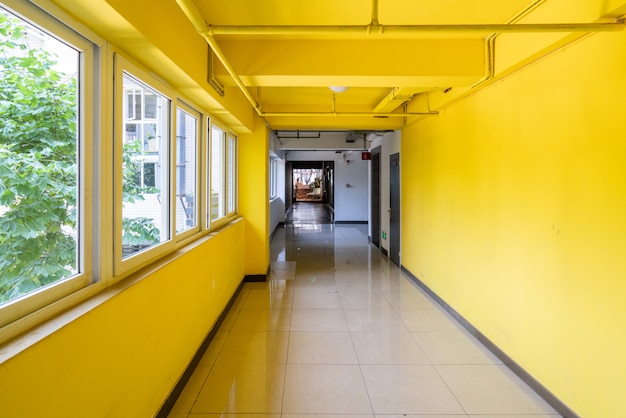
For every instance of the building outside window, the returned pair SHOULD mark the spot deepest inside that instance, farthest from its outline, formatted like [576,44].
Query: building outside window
[145,167]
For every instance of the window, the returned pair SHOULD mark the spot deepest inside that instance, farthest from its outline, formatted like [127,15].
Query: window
[222,174]
[230,181]
[186,170]
[43,212]
[218,164]
[145,171]
[273,178]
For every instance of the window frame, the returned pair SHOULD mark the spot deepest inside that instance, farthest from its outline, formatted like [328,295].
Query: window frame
[123,266]
[20,311]
[189,109]
[226,165]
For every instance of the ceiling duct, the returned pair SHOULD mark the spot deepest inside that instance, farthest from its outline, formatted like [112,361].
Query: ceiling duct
[354,136]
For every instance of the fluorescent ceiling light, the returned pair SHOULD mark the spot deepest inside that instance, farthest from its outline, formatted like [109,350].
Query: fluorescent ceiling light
[338,89]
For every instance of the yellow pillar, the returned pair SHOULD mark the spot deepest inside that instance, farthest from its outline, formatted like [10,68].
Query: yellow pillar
[253,163]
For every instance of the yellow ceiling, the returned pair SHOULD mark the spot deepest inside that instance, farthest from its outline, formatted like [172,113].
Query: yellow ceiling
[279,57]
[289,74]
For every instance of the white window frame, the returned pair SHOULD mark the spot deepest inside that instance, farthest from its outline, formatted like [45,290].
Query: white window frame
[20,312]
[199,170]
[273,178]
[123,266]
[231,189]
[228,215]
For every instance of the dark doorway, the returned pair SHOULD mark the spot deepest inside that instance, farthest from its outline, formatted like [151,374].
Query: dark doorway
[375,187]
[310,181]
[394,208]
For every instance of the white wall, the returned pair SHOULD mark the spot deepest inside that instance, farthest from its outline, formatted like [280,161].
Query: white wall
[277,203]
[351,202]
[389,144]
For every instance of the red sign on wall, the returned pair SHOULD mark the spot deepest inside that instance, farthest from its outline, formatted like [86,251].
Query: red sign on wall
[365,155]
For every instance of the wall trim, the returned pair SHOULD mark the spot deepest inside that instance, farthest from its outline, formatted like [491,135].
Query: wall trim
[351,222]
[255,278]
[526,377]
[280,225]
[169,403]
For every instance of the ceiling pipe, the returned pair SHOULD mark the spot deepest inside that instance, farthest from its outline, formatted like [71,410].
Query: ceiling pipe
[209,31]
[194,15]
[350,114]
[364,30]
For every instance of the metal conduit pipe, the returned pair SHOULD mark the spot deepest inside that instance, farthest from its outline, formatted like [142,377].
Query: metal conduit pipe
[194,16]
[350,114]
[364,30]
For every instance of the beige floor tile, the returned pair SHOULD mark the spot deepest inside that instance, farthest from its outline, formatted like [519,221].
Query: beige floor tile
[309,300]
[392,281]
[362,300]
[262,320]
[243,388]
[321,348]
[453,348]
[325,416]
[370,320]
[409,300]
[361,284]
[338,331]
[428,320]
[408,389]
[491,389]
[425,416]
[233,416]
[325,389]
[214,348]
[267,299]
[518,416]
[255,348]
[315,284]
[388,348]
[318,320]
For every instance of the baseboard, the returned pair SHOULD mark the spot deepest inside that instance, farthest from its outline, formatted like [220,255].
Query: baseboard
[352,222]
[169,403]
[526,377]
[255,278]
[280,225]
[384,251]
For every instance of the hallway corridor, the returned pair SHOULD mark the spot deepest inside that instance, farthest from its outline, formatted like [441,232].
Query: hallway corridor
[338,330]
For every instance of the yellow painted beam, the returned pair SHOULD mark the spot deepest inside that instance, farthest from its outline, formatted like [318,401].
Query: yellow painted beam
[360,58]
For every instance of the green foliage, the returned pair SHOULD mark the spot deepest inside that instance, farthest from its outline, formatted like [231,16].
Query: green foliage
[135,231]
[39,174]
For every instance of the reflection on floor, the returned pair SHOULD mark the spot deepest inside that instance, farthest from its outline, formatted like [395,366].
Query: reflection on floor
[307,212]
[339,331]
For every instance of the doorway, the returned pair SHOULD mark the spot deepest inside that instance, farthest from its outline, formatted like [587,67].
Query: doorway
[375,201]
[394,208]
[310,181]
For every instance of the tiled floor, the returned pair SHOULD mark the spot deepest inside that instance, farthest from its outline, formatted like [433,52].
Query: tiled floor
[338,331]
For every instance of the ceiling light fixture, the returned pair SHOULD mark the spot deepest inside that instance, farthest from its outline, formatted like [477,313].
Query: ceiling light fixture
[338,89]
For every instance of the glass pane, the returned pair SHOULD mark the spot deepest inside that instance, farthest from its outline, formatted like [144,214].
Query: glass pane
[186,170]
[145,209]
[217,194]
[231,174]
[39,166]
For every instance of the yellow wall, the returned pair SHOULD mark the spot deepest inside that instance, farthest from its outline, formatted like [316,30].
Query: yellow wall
[514,206]
[253,202]
[122,358]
